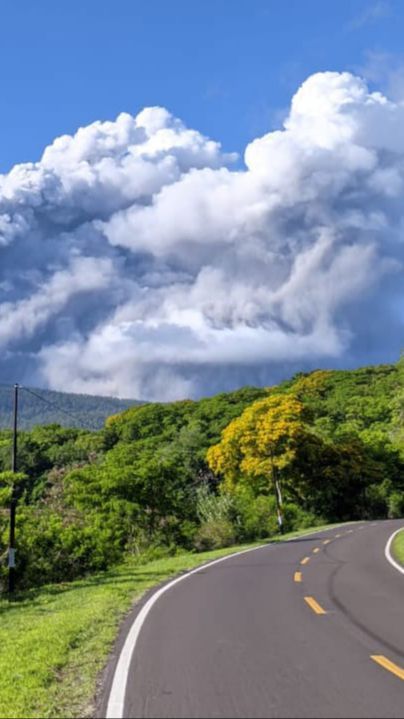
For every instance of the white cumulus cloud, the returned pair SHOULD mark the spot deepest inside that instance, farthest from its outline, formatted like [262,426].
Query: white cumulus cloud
[150,265]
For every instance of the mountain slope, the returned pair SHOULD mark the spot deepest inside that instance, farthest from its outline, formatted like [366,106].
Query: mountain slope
[69,410]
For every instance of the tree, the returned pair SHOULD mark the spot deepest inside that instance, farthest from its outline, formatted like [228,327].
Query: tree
[11,482]
[264,441]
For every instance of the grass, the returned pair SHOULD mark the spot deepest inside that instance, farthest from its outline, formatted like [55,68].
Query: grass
[55,641]
[398,547]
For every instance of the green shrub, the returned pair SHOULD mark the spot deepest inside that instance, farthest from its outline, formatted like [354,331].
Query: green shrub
[254,517]
[377,501]
[295,518]
[156,551]
[52,547]
[212,507]
[396,505]
[214,534]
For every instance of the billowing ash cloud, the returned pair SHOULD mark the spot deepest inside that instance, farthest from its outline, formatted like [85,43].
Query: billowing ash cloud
[138,260]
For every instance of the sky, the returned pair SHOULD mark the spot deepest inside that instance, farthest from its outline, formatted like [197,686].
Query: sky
[231,211]
[226,67]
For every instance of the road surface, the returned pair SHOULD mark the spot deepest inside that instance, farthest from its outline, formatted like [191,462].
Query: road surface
[308,628]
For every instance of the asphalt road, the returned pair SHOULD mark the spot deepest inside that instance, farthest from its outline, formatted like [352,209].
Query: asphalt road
[243,638]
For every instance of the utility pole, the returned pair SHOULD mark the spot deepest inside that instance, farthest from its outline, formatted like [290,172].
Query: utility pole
[13,501]
[278,503]
[278,494]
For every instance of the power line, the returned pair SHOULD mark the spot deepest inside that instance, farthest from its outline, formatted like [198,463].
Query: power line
[14,496]
[64,411]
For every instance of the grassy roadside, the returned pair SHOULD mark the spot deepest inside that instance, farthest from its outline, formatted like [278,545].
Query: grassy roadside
[398,548]
[55,641]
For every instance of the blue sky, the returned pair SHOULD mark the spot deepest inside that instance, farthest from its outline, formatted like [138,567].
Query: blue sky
[226,67]
[140,258]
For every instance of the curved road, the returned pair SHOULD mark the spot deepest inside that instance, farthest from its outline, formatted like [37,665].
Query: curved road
[244,638]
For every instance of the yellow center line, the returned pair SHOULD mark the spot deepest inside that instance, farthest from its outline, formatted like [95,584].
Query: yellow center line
[298,576]
[314,605]
[327,541]
[390,666]
[305,560]
[316,550]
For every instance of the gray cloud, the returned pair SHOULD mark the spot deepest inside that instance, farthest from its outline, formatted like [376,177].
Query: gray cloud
[148,266]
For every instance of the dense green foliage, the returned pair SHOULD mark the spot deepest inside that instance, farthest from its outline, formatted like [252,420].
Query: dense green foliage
[68,410]
[146,483]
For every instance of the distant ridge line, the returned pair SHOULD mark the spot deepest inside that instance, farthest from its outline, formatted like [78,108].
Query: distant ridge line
[54,407]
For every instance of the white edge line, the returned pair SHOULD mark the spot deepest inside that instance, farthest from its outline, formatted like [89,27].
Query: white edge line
[116,701]
[388,554]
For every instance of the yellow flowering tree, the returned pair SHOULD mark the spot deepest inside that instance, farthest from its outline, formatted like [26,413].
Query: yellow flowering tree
[263,443]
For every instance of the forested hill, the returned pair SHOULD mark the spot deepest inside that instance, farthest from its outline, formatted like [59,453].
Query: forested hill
[366,403]
[160,477]
[68,410]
